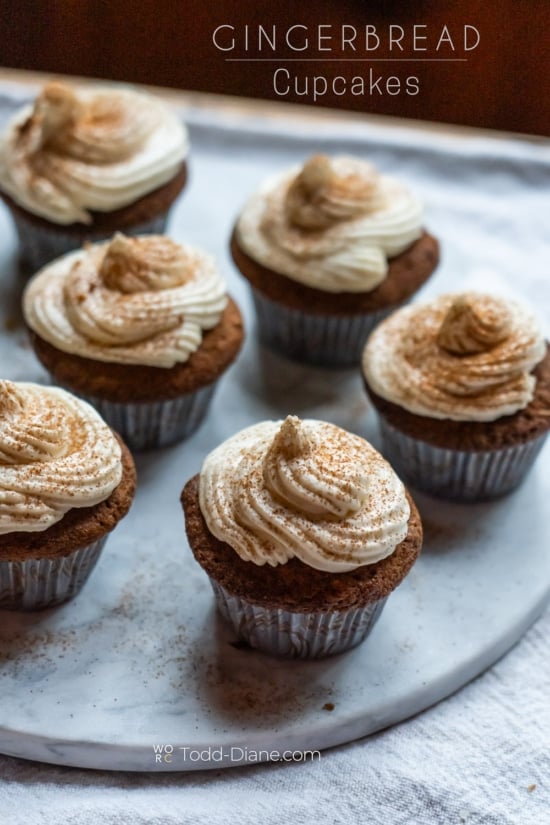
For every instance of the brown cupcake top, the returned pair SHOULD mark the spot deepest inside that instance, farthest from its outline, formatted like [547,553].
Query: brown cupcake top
[56,454]
[134,300]
[79,527]
[331,225]
[406,274]
[144,211]
[296,586]
[80,150]
[130,383]
[465,357]
[305,489]
[508,431]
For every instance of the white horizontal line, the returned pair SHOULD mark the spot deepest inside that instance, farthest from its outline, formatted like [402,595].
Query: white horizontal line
[346,59]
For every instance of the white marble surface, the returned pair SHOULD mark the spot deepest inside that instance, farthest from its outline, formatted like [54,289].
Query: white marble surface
[139,659]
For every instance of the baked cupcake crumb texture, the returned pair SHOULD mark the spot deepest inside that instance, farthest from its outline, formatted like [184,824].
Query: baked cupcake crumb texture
[465,357]
[135,319]
[295,586]
[303,516]
[144,300]
[60,464]
[331,225]
[83,150]
[304,489]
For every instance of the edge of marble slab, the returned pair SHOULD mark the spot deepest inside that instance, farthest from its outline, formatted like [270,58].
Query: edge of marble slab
[333,732]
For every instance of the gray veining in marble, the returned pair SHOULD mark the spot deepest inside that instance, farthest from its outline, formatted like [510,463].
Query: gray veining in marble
[139,659]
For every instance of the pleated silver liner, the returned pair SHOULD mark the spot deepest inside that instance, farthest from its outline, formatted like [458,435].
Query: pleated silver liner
[38,245]
[296,635]
[37,583]
[458,475]
[320,340]
[154,424]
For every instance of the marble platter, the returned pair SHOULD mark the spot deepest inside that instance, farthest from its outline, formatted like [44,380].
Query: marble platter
[138,673]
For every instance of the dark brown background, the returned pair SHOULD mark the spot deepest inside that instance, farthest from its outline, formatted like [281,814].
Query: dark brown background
[505,84]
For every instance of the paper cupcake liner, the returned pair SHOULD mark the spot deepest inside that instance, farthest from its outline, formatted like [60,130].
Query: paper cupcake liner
[297,635]
[458,475]
[37,583]
[39,245]
[321,340]
[150,425]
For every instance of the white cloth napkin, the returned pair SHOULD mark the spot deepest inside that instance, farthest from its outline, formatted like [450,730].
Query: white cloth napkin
[482,757]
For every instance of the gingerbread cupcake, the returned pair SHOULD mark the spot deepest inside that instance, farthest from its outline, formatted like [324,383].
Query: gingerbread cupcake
[83,161]
[304,530]
[462,388]
[66,481]
[140,327]
[329,250]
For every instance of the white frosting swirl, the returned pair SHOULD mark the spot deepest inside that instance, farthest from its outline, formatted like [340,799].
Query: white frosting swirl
[56,453]
[89,148]
[332,225]
[304,489]
[141,300]
[466,357]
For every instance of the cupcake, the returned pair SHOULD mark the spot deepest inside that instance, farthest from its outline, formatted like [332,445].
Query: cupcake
[141,328]
[82,162]
[329,250]
[304,530]
[462,388]
[66,481]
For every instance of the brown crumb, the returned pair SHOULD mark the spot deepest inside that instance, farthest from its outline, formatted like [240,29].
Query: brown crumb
[133,383]
[152,205]
[328,706]
[295,586]
[79,527]
[507,431]
[531,788]
[406,274]
[10,324]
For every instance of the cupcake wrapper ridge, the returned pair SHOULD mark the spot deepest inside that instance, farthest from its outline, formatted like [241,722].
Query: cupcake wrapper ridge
[34,584]
[297,635]
[153,424]
[39,246]
[320,340]
[458,475]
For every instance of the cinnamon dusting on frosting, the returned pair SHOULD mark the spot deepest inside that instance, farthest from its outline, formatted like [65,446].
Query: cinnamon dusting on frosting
[78,149]
[144,300]
[332,225]
[56,453]
[466,357]
[145,263]
[304,489]
[324,193]
[10,399]
[291,440]
[473,324]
